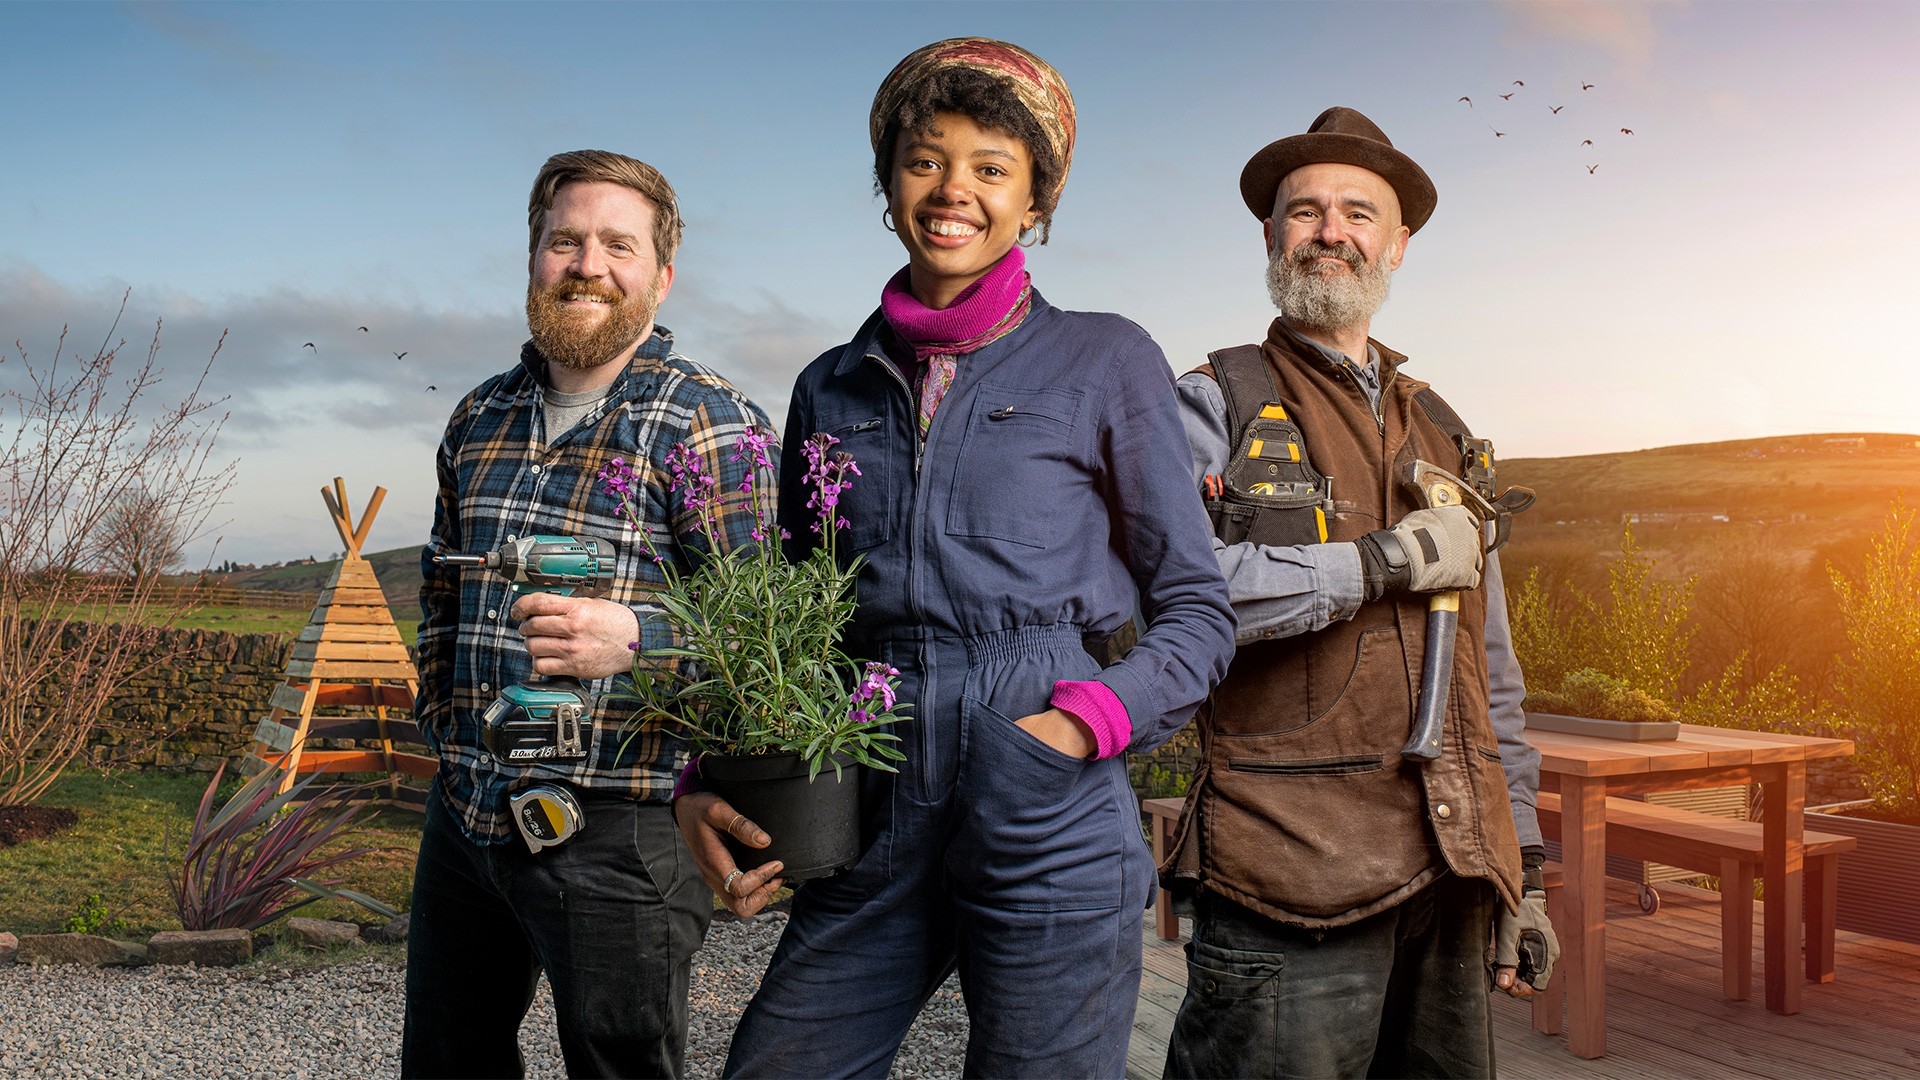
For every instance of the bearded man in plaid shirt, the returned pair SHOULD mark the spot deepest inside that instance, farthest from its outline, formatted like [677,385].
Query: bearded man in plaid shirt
[614,914]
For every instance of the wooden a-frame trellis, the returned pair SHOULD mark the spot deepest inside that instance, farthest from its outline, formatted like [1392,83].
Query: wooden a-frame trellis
[351,661]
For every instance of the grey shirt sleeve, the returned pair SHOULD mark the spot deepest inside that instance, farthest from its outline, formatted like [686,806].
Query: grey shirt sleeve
[1283,591]
[1508,689]
[1275,591]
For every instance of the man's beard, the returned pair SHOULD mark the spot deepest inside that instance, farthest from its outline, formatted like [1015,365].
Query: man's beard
[565,337]
[1315,300]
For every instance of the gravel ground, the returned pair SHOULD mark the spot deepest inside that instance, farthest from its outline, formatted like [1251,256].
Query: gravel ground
[343,1020]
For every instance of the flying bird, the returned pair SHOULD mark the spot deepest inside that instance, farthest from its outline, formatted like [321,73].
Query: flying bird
[1497,133]
[1555,109]
[1586,86]
[1517,82]
[1507,97]
[1586,142]
[1590,169]
[401,355]
[362,329]
[433,388]
[1626,131]
[309,345]
[1469,101]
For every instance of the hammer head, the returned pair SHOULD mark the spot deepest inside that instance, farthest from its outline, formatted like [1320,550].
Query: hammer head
[1438,487]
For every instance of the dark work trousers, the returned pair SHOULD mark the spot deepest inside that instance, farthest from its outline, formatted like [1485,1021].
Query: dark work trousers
[995,855]
[613,916]
[1403,993]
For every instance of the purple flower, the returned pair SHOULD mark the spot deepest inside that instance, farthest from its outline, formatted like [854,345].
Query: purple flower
[617,477]
[877,684]
[754,445]
[828,475]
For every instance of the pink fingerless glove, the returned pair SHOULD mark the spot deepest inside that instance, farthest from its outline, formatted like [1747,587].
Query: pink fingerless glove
[1101,710]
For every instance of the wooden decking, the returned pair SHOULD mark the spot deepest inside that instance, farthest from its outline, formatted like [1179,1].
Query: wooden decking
[1665,1013]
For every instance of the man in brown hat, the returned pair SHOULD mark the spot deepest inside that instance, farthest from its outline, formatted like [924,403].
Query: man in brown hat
[1345,895]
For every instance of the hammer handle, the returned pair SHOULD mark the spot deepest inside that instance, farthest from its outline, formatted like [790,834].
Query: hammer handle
[1436,677]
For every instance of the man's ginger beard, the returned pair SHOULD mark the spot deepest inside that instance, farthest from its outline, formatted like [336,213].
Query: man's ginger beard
[1316,299]
[565,337]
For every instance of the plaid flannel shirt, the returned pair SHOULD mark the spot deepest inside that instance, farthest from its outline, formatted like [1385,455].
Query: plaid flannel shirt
[500,476]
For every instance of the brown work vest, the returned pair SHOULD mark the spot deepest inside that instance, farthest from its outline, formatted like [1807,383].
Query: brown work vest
[1303,809]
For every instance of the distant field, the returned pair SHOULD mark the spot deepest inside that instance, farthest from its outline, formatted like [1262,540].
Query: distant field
[270,621]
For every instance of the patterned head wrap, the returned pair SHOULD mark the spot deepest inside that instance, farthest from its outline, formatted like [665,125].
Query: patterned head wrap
[1031,80]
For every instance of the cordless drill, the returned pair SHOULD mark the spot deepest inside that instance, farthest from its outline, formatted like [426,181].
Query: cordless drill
[542,718]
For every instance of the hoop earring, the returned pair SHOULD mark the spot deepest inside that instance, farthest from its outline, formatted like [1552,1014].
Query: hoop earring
[886,218]
[1029,236]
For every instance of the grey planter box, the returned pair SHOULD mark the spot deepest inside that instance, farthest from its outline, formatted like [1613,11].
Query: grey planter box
[1663,730]
[1880,881]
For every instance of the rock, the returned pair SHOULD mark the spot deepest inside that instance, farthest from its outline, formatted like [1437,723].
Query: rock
[323,933]
[208,948]
[9,945]
[87,949]
[393,932]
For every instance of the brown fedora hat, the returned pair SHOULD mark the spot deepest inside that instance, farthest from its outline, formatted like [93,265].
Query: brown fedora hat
[1340,136]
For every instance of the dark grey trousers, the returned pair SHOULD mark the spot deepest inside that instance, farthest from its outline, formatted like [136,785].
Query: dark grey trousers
[1403,993]
[613,917]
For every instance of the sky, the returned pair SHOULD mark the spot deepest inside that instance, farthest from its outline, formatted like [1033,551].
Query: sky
[1736,267]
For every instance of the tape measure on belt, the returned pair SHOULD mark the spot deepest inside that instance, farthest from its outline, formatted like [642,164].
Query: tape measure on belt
[546,815]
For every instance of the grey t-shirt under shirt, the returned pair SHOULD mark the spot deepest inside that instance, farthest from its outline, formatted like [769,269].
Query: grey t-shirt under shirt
[565,410]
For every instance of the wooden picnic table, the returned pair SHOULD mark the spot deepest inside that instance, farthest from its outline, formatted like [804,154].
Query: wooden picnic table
[1585,770]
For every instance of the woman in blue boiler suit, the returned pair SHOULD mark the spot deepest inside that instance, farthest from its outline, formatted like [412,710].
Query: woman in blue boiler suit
[1024,489]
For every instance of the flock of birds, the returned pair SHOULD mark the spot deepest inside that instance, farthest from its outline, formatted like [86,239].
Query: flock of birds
[402,355]
[1520,85]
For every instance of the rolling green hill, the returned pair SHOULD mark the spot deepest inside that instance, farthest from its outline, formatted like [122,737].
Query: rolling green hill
[398,570]
[1841,479]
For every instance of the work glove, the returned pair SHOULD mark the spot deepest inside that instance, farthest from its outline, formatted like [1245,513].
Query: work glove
[1524,940]
[1429,551]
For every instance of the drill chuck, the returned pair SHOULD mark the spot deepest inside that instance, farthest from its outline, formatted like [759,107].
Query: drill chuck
[461,560]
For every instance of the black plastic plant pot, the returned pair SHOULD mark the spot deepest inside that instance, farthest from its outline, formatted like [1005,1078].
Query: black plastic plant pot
[815,825]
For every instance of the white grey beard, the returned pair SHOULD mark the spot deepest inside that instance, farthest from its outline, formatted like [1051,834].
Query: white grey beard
[1327,302]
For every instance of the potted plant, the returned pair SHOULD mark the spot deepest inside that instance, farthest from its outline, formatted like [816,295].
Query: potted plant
[778,716]
[1590,702]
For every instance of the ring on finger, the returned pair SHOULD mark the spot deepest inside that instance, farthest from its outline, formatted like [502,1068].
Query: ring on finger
[727,885]
[737,819]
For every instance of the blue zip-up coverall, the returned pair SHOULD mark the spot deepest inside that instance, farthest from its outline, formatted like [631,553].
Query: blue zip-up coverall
[1052,494]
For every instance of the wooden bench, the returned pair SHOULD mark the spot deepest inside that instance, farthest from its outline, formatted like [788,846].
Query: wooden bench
[1733,850]
[1165,814]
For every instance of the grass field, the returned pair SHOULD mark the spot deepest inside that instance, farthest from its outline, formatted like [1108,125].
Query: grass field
[119,850]
[271,621]
[235,620]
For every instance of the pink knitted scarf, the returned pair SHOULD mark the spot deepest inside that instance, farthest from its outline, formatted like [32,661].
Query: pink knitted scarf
[982,314]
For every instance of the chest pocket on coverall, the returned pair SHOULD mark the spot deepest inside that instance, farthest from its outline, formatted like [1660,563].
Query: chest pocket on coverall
[1016,462]
[867,503]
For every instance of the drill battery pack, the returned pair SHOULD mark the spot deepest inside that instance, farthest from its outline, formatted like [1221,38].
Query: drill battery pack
[540,722]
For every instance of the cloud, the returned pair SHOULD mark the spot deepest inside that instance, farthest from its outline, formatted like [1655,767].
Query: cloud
[759,348]
[347,406]
[176,22]
[1625,30]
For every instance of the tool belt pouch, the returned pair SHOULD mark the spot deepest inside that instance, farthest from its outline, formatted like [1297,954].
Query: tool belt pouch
[1271,494]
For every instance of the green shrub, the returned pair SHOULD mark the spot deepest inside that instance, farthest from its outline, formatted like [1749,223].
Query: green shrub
[92,917]
[1636,633]
[1588,692]
[1879,674]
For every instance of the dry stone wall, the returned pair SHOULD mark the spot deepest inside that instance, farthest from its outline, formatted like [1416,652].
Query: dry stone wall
[193,702]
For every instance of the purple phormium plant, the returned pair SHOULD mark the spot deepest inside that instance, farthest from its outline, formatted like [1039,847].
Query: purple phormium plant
[242,863]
